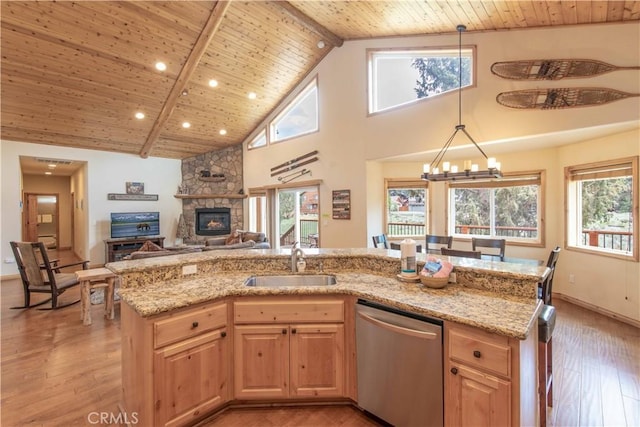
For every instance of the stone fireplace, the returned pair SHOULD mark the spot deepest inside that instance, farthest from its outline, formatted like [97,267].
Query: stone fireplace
[213,221]
[212,181]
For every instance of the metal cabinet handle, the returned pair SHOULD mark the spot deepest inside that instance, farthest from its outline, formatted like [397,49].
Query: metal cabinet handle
[223,334]
[454,371]
[293,331]
[476,353]
[284,331]
[194,325]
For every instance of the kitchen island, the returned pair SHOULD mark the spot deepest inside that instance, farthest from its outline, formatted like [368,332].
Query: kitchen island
[492,310]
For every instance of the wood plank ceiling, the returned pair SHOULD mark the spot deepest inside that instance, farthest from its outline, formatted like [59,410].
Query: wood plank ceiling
[74,73]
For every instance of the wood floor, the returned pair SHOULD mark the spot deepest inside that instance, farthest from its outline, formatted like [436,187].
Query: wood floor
[57,372]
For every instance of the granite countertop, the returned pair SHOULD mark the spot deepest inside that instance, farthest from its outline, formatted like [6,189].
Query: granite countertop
[501,314]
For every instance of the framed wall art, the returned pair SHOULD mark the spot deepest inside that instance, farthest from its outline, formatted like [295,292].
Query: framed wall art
[135,187]
[341,200]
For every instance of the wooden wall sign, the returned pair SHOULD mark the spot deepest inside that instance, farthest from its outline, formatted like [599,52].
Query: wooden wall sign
[557,98]
[341,204]
[145,197]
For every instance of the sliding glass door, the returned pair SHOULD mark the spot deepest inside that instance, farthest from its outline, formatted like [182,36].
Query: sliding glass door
[297,217]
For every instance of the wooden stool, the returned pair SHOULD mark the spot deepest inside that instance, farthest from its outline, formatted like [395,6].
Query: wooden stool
[546,324]
[95,278]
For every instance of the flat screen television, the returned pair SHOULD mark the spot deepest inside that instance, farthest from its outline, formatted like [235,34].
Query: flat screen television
[135,224]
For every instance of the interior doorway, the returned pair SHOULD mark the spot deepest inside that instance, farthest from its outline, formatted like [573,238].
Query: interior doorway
[41,219]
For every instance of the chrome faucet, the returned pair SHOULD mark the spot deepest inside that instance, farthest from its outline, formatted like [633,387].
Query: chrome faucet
[295,254]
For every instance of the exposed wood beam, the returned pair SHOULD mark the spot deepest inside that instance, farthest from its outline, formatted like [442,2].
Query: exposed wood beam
[199,48]
[308,22]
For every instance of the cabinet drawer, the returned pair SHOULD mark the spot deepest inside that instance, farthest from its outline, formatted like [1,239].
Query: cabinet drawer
[189,324]
[288,311]
[489,353]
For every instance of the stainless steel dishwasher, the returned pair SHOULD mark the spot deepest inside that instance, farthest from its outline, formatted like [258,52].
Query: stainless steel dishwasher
[400,365]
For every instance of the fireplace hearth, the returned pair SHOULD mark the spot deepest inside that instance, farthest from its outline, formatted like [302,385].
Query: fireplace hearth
[213,221]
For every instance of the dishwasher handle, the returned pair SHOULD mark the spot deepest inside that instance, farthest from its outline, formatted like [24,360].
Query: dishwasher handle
[399,329]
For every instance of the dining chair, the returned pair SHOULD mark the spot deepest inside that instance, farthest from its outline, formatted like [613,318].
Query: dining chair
[546,284]
[546,325]
[437,240]
[460,253]
[499,244]
[398,246]
[380,240]
[39,274]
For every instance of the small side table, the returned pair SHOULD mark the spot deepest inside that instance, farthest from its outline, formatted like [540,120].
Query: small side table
[92,279]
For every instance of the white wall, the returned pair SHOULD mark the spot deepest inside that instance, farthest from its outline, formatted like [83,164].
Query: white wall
[106,172]
[355,148]
[348,138]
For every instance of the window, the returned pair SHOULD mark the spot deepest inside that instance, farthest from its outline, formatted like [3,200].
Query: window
[299,117]
[509,208]
[601,217]
[399,77]
[259,141]
[406,208]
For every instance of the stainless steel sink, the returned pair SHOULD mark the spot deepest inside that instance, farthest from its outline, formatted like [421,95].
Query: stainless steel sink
[292,280]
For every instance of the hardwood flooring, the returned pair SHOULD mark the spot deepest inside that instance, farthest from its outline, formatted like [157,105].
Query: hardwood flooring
[57,372]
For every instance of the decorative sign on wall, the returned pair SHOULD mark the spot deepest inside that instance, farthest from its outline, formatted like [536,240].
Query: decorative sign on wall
[145,197]
[341,204]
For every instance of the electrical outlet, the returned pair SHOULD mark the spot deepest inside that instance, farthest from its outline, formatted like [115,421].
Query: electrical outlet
[9,260]
[452,277]
[189,269]
[572,278]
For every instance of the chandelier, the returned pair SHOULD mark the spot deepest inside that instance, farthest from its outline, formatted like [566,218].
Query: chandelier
[431,171]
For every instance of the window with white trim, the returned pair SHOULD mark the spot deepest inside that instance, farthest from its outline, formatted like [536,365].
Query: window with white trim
[300,117]
[509,208]
[399,77]
[602,202]
[406,208]
[259,141]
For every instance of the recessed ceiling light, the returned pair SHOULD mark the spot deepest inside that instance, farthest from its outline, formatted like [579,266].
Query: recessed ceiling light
[52,166]
[185,92]
[213,83]
[321,44]
[223,131]
[252,95]
[186,125]
[161,66]
[139,115]
[48,173]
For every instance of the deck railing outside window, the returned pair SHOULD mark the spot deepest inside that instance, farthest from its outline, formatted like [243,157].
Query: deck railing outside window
[608,239]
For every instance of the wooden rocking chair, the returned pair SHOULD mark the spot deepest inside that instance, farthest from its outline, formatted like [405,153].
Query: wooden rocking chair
[42,275]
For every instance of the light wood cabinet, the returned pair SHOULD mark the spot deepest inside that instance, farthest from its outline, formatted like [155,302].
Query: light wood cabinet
[489,379]
[190,378]
[175,366]
[289,360]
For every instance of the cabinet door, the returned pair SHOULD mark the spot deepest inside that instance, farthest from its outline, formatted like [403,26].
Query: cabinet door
[476,399]
[190,378]
[261,358]
[317,360]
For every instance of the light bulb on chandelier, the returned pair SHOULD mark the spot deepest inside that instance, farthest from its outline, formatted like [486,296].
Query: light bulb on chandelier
[431,171]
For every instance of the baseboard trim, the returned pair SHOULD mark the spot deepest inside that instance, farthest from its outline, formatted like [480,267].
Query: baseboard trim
[599,310]
[9,277]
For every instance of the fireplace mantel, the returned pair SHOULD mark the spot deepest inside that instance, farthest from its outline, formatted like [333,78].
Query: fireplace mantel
[210,196]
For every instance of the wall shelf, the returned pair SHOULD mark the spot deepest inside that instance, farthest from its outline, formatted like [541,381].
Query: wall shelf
[210,196]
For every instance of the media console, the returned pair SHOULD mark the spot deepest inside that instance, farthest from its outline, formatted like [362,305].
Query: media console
[117,249]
